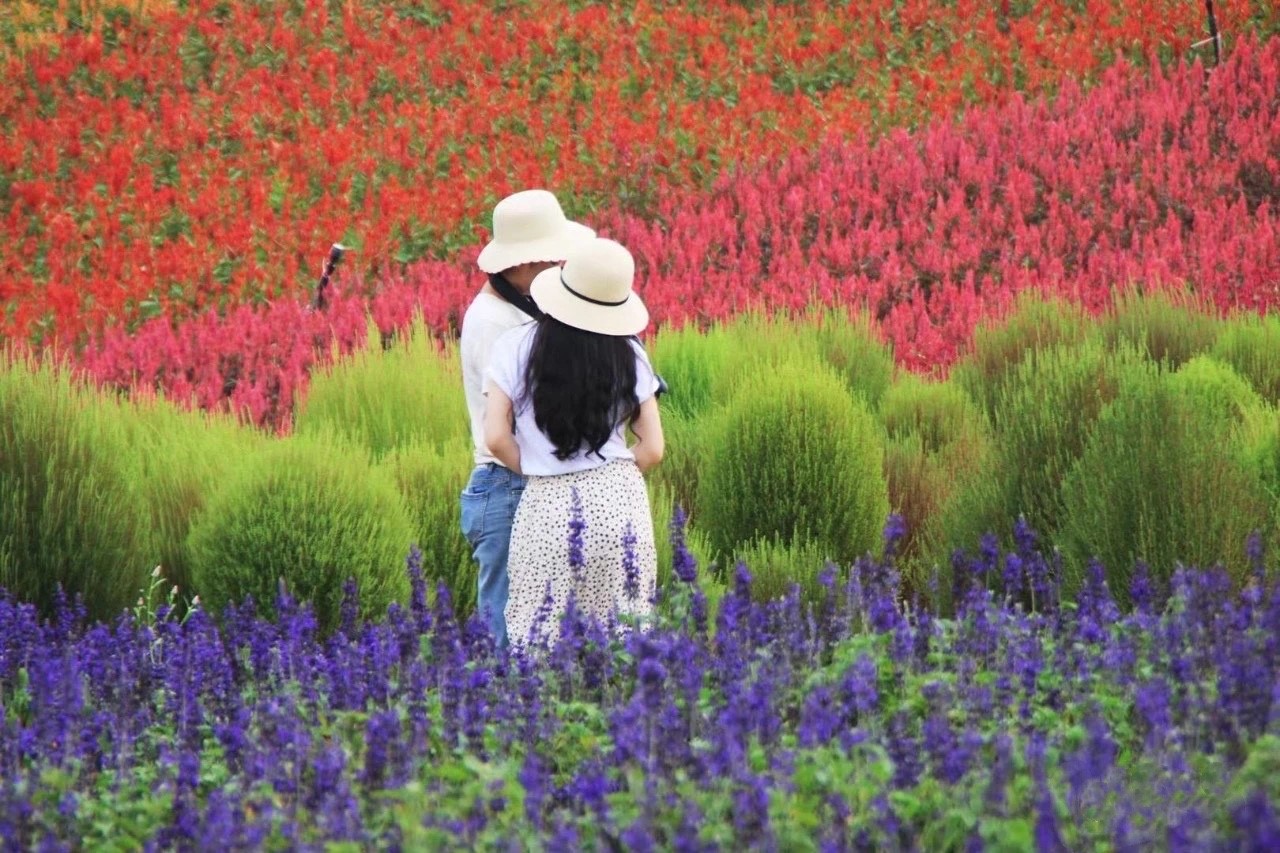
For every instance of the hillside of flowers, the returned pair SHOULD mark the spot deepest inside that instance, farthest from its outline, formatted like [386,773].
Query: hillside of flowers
[1147,180]
[161,159]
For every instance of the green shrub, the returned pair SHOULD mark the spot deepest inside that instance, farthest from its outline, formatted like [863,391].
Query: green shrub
[1169,326]
[1043,416]
[182,455]
[431,482]
[1034,324]
[71,512]
[1251,345]
[775,564]
[794,456]
[404,396]
[849,346]
[312,511]
[690,360]
[682,462]
[937,440]
[853,347]
[1215,387]
[1160,480]
[939,413]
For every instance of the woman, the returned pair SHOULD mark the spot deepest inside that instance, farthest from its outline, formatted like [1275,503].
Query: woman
[560,395]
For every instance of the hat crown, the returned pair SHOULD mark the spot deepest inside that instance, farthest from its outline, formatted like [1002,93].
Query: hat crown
[601,271]
[527,216]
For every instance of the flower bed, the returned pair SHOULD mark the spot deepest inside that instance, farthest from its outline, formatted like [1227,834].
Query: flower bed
[862,724]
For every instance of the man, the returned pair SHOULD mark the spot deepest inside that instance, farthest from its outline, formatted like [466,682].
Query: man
[530,234]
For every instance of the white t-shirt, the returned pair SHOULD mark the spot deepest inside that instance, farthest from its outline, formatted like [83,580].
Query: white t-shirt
[488,318]
[537,454]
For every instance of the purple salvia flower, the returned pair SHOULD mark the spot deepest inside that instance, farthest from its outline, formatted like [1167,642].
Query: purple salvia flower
[895,530]
[630,570]
[349,610]
[1256,551]
[1256,823]
[577,528]
[417,590]
[683,564]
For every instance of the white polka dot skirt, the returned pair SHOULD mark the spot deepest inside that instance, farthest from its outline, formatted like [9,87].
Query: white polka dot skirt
[615,509]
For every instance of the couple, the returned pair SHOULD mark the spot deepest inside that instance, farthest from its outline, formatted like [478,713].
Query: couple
[553,376]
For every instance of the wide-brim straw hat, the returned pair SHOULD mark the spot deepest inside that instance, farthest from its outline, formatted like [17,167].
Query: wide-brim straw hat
[593,290]
[529,227]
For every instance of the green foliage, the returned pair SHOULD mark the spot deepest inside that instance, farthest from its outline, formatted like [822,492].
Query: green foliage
[999,346]
[404,396]
[793,455]
[682,460]
[1216,388]
[430,482]
[848,345]
[1043,416]
[937,440]
[940,413]
[71,511]
[690,360]
[1170,327]
[311,511]
[1251,344]
[181,456]
[775,564]
[1160,480]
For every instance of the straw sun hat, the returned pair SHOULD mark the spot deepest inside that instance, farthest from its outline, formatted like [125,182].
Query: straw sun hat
[528,227]
[592,291]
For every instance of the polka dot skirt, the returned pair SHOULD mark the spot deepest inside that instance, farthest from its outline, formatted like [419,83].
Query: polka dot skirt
[614,503]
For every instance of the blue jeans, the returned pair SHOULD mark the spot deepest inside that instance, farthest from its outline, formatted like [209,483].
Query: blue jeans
[488,508]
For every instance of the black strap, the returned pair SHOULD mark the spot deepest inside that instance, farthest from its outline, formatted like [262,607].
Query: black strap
[508,292]
[589,299]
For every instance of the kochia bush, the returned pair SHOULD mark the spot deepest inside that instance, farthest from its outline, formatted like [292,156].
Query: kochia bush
[408,394]
[1160,480]
[71,512]
[793,455]
[430,482]
[311,512]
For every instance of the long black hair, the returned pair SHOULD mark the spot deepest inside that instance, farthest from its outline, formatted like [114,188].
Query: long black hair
[582,385]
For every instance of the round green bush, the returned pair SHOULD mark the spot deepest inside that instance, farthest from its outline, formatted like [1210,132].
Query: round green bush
[794,456]
[206,448]
[775,564]
[1215,387]
[939,413]
[71,513]
[1034,324]
[1043,415]
[410,394]
[1162,481]
[691,360]
[309,511]
[848,345]
[431,482]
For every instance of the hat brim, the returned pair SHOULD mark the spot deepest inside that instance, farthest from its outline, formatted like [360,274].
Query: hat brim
[496,257]
[629,318]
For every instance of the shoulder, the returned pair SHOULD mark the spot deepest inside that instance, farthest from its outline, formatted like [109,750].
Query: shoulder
[513,342]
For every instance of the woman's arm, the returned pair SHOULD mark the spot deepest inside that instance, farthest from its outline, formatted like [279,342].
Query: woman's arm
[498,432]
[647,428]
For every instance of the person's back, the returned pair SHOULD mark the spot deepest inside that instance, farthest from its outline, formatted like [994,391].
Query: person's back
[530,234]
[561,393]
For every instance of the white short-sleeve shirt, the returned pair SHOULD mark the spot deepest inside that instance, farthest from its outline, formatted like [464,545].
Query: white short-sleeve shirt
[507,362]
[488,318]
